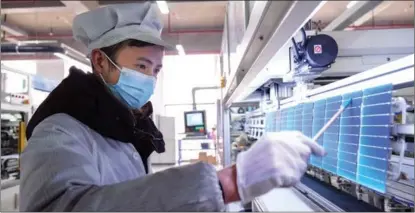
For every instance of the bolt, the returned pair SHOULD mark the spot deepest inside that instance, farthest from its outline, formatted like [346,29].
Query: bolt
[261,38]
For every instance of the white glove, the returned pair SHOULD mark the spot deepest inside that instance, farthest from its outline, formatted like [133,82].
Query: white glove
[275,160]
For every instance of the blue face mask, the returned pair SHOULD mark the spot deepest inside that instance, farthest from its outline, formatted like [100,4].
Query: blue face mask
[133,87]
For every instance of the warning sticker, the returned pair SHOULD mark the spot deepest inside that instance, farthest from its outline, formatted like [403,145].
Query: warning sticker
[318,49]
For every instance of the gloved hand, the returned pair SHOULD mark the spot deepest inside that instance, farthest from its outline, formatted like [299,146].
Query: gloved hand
[275,160]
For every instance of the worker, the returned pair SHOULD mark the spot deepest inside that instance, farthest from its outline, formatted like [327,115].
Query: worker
[89,141]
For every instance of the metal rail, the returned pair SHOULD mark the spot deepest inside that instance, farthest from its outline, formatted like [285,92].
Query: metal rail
[278,23]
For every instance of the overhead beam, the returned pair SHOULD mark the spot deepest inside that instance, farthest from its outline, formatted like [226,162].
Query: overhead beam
[286,24]
[81,6]
[32,10]
[13,31]
[368,16]
[351,15]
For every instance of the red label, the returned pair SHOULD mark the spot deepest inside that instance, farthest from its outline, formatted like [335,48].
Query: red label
[318,49]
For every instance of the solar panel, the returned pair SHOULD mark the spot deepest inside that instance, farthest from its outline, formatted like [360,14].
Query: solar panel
[331,135]
[318,122]
[270,121]
[298,117]
[290,118]
[278,121]
[374,141]
[357,144]
[349,136]
[307,119]
[284,123]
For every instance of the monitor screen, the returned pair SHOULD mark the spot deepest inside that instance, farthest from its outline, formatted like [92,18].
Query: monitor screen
[195,122]
[194,119]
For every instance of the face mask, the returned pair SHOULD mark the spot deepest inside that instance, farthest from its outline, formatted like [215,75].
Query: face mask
[133,87]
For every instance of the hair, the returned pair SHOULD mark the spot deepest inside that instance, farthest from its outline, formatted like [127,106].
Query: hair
[113,50]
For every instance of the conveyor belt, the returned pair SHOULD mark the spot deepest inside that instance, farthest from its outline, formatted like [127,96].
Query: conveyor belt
[341,199]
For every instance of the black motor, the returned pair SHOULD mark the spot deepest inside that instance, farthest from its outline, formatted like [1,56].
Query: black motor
[314,54]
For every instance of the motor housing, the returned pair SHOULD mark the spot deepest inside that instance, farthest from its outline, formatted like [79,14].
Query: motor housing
[313,55]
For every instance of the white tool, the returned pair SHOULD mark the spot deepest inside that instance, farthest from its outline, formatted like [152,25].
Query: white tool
[332,119]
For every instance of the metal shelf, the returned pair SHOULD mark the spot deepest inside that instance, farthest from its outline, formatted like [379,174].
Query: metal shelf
[15,107]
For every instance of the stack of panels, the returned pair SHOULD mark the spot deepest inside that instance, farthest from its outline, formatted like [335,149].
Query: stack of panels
[374,143]
[298,117]
[349,136]
[318,123]
[331,135]
[358,144]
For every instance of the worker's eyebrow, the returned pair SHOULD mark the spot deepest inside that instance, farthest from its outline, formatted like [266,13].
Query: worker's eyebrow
[148,61]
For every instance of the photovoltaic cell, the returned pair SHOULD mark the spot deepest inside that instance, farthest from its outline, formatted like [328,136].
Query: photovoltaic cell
[349,136]
[298,117]
[290,118]
[319,113]
[358,143]
[307,119]
[270,121]
[278,121]
[331,135]
[284,118]
[374,142]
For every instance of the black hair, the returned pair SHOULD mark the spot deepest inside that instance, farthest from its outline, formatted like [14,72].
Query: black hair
[113,50]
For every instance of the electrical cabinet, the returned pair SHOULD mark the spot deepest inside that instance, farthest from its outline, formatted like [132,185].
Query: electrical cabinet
[167,128]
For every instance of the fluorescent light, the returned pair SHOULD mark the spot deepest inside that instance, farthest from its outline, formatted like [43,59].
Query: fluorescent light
[180,49]
[351,4]
[163,7]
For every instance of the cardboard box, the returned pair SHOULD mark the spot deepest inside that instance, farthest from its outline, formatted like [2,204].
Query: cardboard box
[211,160]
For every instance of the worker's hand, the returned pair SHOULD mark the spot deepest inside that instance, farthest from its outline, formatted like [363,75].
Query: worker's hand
[275,160]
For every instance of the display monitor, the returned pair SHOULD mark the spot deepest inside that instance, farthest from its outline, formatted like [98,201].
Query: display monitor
[195,123]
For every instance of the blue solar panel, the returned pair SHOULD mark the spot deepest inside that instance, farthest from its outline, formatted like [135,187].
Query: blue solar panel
[278,121]
[357,143]
[318,123]
[374,141]
[290,118]
[349,136]
[298,117]
[331,135]
[307,119]
[284,117]
[270,121]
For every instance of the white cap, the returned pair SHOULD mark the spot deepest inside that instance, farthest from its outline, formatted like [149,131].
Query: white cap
[112,24]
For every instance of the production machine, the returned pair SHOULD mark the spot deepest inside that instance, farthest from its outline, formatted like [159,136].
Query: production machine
[370,145]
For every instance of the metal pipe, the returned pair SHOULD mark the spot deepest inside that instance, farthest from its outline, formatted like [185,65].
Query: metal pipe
[200,88]
[30,48]
[187,104]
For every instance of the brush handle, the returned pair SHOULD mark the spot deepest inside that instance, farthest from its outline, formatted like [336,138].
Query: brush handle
[328,124]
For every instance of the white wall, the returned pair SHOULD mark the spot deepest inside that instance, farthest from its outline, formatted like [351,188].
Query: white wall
[181,74]
[157,98]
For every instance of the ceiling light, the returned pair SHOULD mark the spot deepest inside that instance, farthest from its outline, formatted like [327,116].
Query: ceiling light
[163,7]
[180,49]
[351,4]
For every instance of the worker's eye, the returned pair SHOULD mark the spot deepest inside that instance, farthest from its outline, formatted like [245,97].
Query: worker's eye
[142,66]
[157,71]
